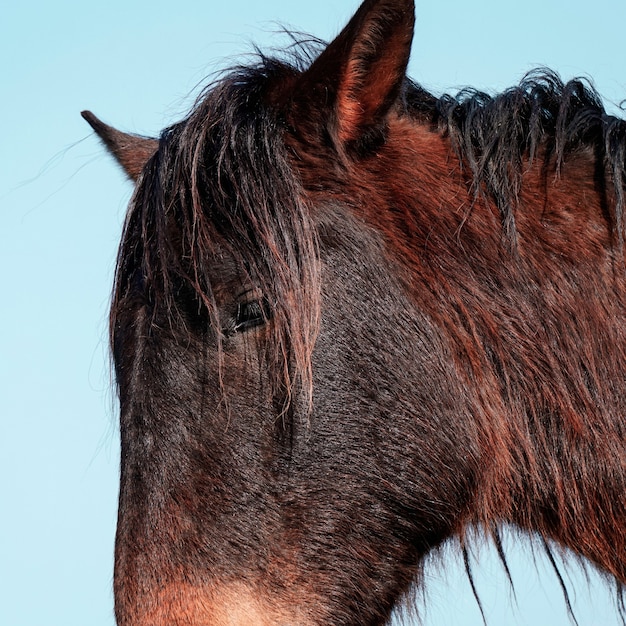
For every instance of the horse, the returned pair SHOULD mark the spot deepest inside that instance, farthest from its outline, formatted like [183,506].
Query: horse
[352,320]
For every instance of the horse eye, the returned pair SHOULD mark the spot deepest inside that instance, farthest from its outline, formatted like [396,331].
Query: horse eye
[250,315]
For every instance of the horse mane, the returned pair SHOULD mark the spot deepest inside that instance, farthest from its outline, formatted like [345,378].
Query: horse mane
[498,137]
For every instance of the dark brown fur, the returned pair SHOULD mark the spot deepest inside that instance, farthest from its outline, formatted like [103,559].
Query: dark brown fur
[350,321]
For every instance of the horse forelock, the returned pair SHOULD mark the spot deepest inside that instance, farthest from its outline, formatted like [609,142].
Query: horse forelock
[220,183]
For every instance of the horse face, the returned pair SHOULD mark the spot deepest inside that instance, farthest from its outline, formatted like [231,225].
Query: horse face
[286,407]
[233,500]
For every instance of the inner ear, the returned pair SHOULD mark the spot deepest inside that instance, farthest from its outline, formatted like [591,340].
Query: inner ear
[361,73]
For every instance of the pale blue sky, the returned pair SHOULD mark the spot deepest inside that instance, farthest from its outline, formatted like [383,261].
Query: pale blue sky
[62,202]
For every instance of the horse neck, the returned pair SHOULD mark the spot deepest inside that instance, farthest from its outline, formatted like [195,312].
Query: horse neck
[537,328]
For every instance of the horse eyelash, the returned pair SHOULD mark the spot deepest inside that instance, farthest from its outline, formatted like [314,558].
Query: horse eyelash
[250,315]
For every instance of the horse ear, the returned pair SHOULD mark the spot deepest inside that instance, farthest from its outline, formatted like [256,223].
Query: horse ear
[360,74]
[130,151]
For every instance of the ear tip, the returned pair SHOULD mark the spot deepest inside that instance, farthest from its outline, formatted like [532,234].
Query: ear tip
[88,116]
[92,120]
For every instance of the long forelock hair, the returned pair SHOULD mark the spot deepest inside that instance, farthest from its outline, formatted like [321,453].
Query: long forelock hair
[221,176]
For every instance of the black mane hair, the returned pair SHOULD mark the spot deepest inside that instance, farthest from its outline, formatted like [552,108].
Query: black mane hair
[498,137]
